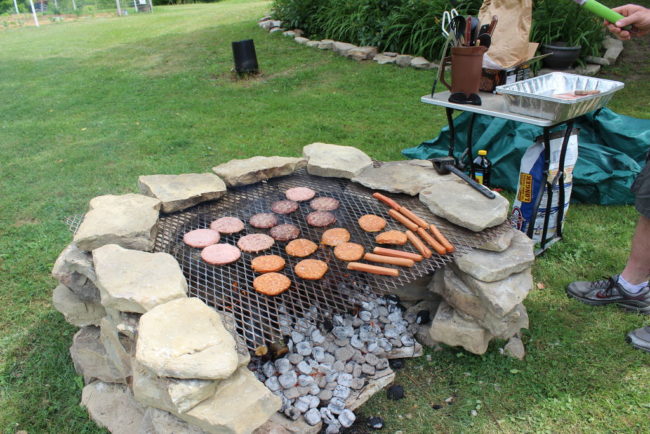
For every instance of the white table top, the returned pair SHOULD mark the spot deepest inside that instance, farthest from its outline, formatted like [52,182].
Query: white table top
[492,105]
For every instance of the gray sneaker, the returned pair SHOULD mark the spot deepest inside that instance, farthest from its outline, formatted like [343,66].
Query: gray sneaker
[608,291]
[640,338]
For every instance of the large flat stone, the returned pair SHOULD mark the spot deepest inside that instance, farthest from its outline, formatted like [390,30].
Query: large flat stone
[409,177]
[90,358]
[74,269]
[240,405]
[452,329]
[125,322]
[343,48]
[374,385]
[414,291]
[169,394]
[119,348]
[255,169]
[157,421]
[452,199]
[112,406]
[492,266]
[186,339]
[279,424]
[335,161]
[134,281]
[177,192]
[362,53]
[499,242]
[502,296]
[128,220]
[76,311]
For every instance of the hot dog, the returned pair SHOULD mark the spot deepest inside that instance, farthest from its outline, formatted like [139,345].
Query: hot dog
[418,244]
[387,200]
[432,242]
[374,269]
[397,253]
[402,262]
[411,216]
[442,239]
[403,220]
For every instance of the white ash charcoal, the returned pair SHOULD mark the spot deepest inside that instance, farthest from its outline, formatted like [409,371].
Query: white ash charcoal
[288,380]
[365,316]
[314,389]
[286,403]
[304,390]
[358,357]
[285,330]
[303,348]
[341,392]
[337,320]
[313,363]
[339,365]
[349,367]
[374,348]
[382,364]
[329,358]
[295,358]
[396,343]
[384,319]
[292,413]
[272,383]
[343,354]
[331,385]
[304,368]
[327,415]
[381,301]
[325,395]
[285,320]
[358,383]
[344,379]
[312,417]
[395,316]
[391,332]
[357,371]
[365,333]
[368,369]
[383,311]
[367,305]
[283,365]
[334,375]
[322,381]
[336,405]
[407,341]
[317,337]
[356,322]
[356,342]
[341,342]
[305,380]
[318,353]
[269,369]
[342,332]
[301,405]
[371,359]
[330,347]
[333,428]
[347,418]
[290,345]
[383,342]
[297,337]
[302,325]
[313,401]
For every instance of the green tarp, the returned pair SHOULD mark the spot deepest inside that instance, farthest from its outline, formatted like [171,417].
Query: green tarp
[611,151]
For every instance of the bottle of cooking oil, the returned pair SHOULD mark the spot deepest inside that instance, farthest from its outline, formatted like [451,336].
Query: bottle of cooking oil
[482,168]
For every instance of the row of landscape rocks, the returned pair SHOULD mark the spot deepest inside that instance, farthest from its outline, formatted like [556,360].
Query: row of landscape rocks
[613,48]
[183,359]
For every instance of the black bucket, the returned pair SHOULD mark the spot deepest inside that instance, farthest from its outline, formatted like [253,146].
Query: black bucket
[245,57]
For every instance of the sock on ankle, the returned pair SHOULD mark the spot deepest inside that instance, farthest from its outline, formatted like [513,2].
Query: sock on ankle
[630,287]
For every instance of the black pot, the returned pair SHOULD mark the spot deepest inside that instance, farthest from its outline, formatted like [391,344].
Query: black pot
[562,57]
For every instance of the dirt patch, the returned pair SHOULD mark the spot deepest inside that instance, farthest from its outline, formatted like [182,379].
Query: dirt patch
[632,64]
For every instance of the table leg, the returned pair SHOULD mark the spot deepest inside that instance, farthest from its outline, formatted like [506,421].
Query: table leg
[452,132]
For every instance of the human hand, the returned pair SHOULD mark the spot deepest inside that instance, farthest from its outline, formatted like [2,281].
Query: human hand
[635,15]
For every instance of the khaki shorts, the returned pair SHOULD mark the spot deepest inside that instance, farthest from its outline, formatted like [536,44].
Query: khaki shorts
[641,190]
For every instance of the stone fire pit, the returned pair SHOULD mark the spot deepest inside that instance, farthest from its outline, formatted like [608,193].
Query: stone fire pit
[155,360]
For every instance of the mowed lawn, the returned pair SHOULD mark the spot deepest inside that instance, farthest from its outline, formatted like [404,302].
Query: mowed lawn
[86,107]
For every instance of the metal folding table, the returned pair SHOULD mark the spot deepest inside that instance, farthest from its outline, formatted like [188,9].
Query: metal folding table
[495,105]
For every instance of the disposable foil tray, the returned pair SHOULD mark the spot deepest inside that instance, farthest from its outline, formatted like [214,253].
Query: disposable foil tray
[546,96]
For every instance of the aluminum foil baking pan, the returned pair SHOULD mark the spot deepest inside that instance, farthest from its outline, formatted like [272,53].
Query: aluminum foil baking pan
[544,96]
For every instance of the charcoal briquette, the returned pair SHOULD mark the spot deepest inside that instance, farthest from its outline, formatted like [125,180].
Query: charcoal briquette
[395,392]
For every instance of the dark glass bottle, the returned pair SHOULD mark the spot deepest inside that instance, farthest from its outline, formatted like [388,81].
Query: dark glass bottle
[482,168]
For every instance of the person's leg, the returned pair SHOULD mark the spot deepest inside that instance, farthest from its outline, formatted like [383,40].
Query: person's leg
[637,269]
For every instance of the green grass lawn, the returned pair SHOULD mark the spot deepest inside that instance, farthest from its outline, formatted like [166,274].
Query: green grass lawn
[88,106]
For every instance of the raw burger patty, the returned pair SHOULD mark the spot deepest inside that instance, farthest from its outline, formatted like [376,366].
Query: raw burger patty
[284,206]
[263,220]
[201,238]
[255,243]
[227,225]
[220,254]
[372,223]
[271,283]
[311,269]
[267,263]
[349,251]
[301,247]
[334,237]
[391,237]
[285,232]
[300,194]
[324,204]
[321,218]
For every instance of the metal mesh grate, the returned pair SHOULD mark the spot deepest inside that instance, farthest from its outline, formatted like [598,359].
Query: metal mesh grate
[229,288]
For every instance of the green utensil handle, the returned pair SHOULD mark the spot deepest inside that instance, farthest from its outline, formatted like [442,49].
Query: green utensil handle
[602,11]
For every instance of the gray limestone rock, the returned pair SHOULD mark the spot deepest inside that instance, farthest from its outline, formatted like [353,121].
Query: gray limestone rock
[119,348]
[157,421]
[403,60]
[74,269]
[343,48]
[177,192]
[186,339]
[301,40]
[134,281]
[128,220]
[335,161]
[515,348]
[112,406]
[409,177]
[90,358]
[74,310]
[420,63]
[251,170]
[450,199]
[452,329]
[313,44]
[382,59]
[326,44]
[362,53]
[500,242]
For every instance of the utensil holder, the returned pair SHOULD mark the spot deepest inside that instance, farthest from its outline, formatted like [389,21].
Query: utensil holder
[466,65]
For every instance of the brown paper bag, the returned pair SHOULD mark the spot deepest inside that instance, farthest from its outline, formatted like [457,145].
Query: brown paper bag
[510,44]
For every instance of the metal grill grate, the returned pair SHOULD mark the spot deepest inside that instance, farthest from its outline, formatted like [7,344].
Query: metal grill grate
[229,288]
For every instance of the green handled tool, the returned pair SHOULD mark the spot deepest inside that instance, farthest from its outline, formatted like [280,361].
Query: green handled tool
[602,11]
